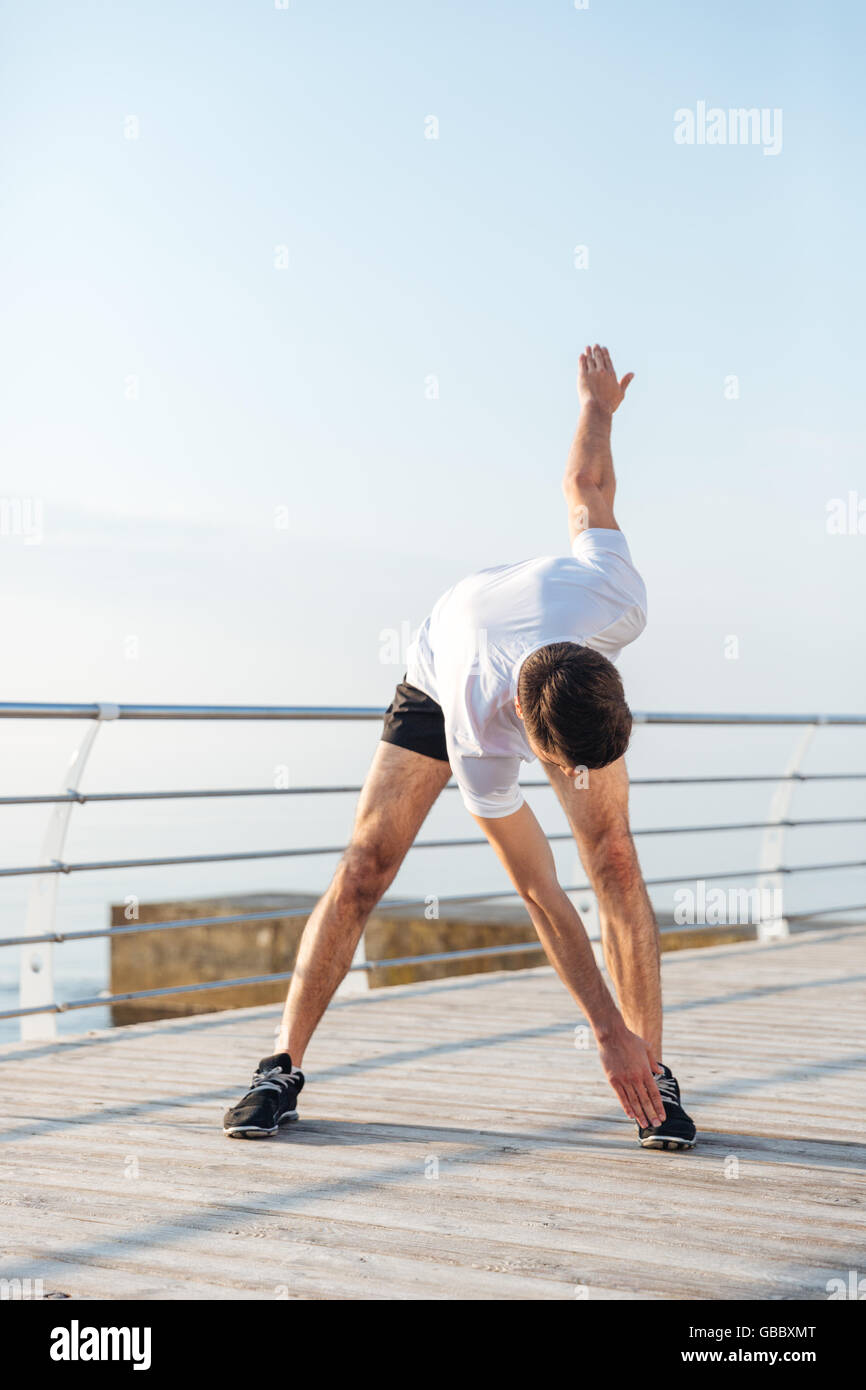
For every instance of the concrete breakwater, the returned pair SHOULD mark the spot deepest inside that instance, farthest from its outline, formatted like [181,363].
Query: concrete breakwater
[196,955]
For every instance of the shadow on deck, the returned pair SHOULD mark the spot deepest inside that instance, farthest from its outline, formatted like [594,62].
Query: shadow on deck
[455,1143]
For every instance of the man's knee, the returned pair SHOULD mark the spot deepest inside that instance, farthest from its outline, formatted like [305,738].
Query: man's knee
[363,875]
[609,852]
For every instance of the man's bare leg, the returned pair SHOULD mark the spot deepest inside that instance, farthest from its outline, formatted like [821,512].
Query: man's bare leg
[598,816]
[399,790]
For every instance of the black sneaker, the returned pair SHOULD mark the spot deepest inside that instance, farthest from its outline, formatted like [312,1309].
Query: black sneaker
[678,1130]
[271,1101]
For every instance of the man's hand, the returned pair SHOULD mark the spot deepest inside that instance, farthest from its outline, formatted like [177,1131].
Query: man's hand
[597,381]
[629,1066]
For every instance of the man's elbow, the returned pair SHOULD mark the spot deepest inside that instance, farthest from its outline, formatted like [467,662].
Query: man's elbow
[589,503]
[584,483]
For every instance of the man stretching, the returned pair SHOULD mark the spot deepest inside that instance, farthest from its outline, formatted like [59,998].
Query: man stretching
[515,663]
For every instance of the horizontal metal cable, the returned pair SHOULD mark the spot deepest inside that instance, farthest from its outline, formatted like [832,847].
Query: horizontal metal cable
[240,712]
[82,798]
[823,912]
[241,918]
[99,1001]
[105,1000]
[386,904]
[91,866]
[744,825]
[24,710]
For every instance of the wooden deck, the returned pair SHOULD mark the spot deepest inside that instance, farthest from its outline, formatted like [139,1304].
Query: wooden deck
[455,1144]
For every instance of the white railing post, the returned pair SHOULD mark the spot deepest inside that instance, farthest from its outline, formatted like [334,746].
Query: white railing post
[771,886]
[586,904]
[36,988]
[357,981]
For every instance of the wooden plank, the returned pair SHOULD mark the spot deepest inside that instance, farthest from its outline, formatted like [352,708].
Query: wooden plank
[117,1181]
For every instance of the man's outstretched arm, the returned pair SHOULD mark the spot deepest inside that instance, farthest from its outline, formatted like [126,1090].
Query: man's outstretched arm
[628,1064]
[589,483]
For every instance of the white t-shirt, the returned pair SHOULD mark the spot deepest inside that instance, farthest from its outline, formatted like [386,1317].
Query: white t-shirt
[467,655]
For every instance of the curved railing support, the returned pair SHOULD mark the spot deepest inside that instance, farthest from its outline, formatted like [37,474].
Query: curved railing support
[37,961]
[773,924]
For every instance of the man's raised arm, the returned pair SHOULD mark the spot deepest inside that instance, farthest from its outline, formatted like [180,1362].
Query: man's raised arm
[589,483]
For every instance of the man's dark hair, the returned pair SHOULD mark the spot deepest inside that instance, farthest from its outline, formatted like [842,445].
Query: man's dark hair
[573,705]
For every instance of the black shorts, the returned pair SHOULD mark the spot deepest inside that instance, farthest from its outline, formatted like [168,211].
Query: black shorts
[416,722]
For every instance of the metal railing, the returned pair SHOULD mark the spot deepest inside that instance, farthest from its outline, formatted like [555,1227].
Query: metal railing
[37,1007]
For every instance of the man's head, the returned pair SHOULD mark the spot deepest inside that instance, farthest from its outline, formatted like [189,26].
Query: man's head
[573,705]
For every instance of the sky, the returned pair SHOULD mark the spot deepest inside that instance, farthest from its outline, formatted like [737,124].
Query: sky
[278,368]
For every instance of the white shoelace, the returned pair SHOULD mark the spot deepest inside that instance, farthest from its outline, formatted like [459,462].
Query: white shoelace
[271,1080]
[667,1088]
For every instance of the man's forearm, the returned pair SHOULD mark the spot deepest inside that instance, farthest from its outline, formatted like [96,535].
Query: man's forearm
[590,460]
[569,950]
[631,949]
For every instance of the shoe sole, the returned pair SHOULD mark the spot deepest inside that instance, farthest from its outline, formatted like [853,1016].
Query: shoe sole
[255,1132]
[657,1142]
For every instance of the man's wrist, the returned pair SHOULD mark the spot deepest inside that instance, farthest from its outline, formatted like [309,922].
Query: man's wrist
[593,411]
[607,1027]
